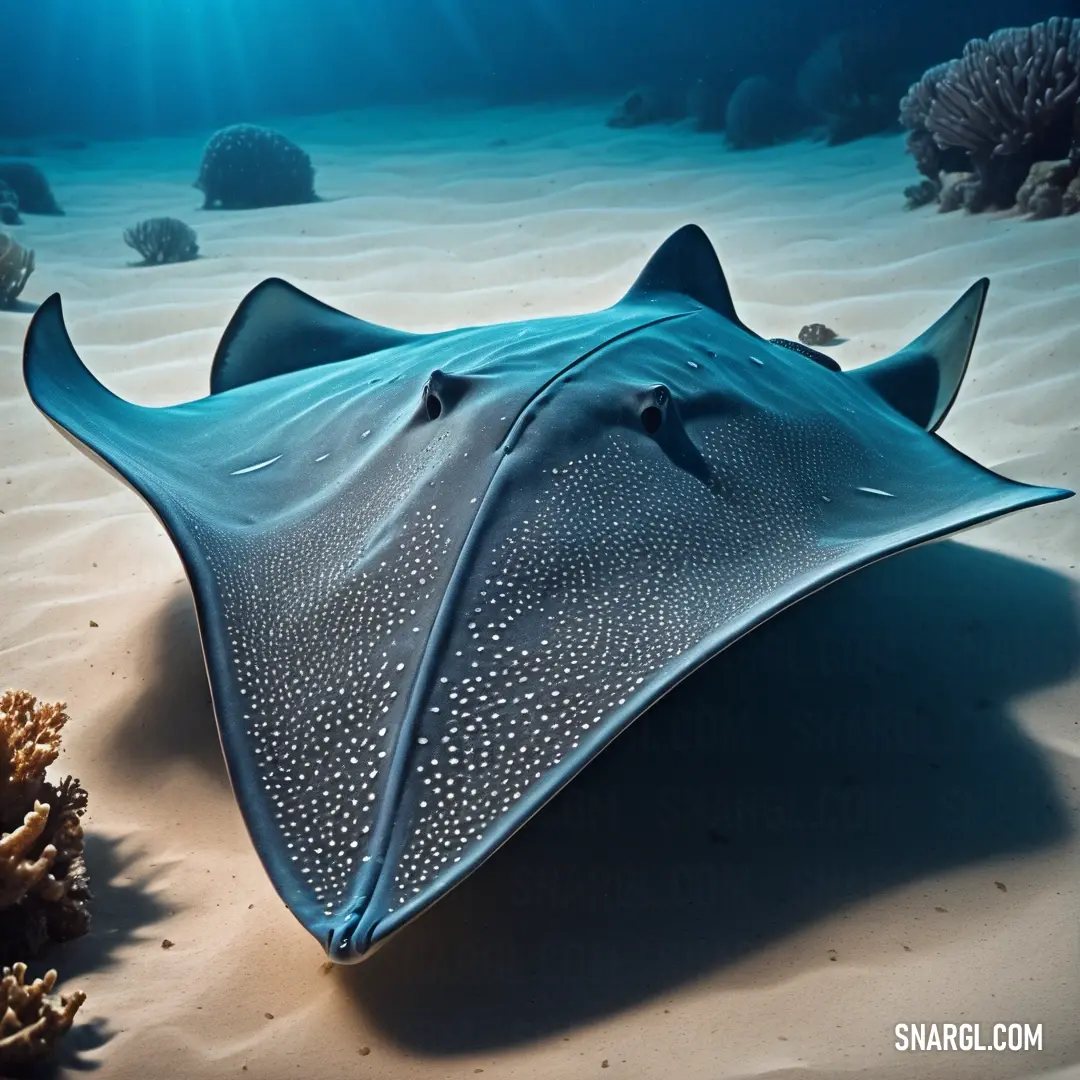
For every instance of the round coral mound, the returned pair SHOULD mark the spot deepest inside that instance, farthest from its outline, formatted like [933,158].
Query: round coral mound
[245,166]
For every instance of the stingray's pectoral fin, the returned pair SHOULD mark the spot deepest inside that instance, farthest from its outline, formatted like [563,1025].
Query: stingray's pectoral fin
[686,264]
[922,380]
[278,328]
[138,443]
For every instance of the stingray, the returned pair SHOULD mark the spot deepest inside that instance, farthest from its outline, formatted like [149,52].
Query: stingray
[436,574]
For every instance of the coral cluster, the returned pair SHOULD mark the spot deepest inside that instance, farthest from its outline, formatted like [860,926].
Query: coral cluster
[816,333]
[163,240]
[16,266]
[29,184]
[245,166]
[758,114]
[43,883]
[845,88]
[980,123]
[845,83]
[649,105]
[32,1018]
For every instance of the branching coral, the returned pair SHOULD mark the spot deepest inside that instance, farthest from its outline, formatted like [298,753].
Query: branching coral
[163,240]
[16,266]
[1007,102]
[43,883]
[245,166]
[1010,91]
[32,1018]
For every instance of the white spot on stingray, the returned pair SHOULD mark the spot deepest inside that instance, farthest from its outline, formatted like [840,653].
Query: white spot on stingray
[693,365]
[322,457]
[757,360]
[365,434]
[876,491]
[255,468]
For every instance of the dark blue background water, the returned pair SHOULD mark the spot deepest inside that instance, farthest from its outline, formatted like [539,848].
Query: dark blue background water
[126,67]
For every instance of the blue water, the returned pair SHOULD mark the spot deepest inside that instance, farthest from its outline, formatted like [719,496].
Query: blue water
[116,68]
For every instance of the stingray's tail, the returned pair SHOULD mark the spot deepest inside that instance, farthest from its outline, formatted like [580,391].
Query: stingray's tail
[922,380]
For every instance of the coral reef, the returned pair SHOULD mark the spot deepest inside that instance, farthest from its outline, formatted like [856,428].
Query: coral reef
[817,334]
[29,184]
[9,205]
[163,240]
[649,105]
[32,1018]
[245,167]
[1008,102]
[43,883]
[16,266]
[758,114]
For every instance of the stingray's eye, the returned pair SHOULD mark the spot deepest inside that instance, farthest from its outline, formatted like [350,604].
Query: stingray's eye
[432,403]
[653,409]
[651,419]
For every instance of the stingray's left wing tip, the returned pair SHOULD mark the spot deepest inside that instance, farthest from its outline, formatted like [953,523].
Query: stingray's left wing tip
[48,353]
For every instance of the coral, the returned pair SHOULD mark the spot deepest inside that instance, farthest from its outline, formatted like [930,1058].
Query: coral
[707,101]
[758,114]
[29,744]
[1070,199]
[817,334]
[163,240]
[921,194]
[649,105]
[9,205]
[29,184]
[1010,90]
[845,83]
[16,266]
[43,883]
[958,189]
[1008,101]
[245,166]
[915,104]
[1042,194]
[32,1018]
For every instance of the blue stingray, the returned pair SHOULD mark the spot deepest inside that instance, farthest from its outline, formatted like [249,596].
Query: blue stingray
[436,575]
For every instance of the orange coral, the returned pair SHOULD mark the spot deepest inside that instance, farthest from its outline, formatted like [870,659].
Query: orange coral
[29,744]
[43,886]
[32,1018]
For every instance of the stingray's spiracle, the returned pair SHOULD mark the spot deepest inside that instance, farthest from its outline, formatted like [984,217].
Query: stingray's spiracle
[652,415]
[442,392]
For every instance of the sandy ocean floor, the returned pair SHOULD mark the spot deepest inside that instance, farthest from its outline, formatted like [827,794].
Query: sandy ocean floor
[863,814]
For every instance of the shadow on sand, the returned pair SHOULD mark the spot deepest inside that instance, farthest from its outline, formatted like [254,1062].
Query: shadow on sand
[122,904]
[172,717]
[858,741]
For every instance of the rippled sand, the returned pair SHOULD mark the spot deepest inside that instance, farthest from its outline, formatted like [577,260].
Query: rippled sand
[861,815]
